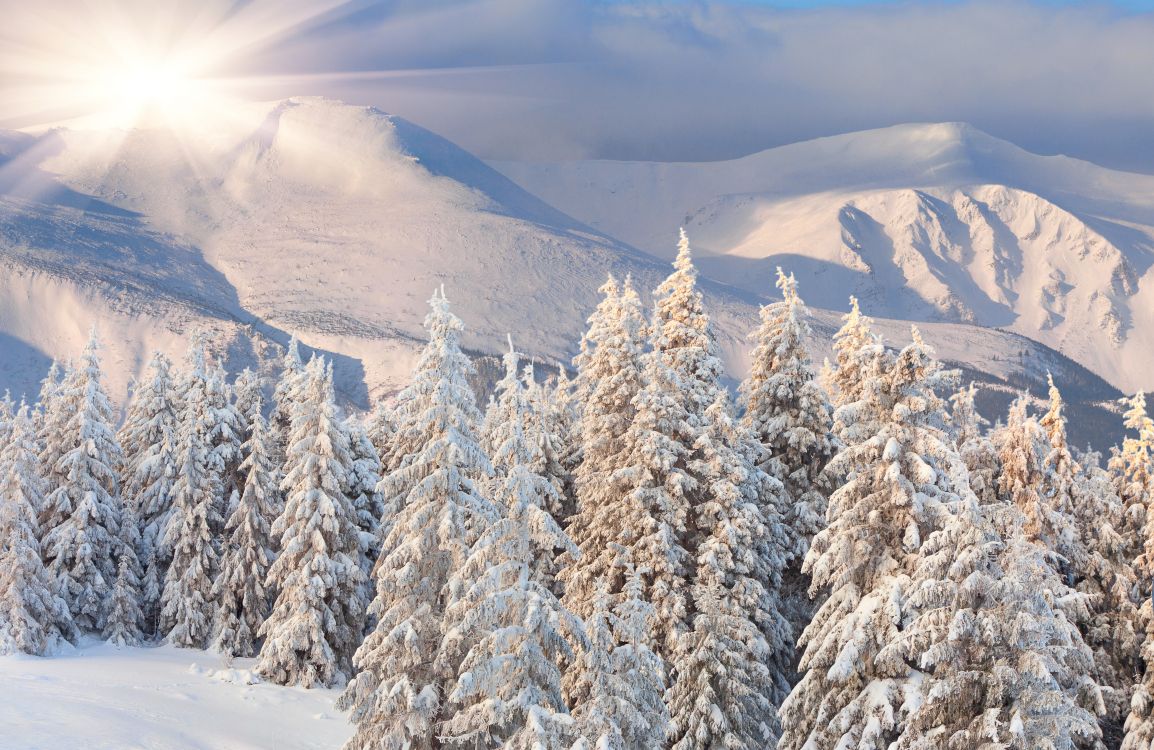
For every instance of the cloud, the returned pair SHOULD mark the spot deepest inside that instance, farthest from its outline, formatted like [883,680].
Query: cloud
[708,79]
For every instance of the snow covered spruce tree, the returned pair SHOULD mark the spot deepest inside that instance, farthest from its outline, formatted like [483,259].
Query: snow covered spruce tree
[7,413]
[149,421]
[242,600]
[1098,561]
[186,604]
[1139,727]
[286,393]
[1023,448]
[408,417]
[226,437]
[623,683]
[954,590]
[609,377]
[974,446]
[1099,558]
[730,677]
[854,347]
[317,620]
[660,477]
[1058,699]
[789,413]
[790,417]
[1107,577]
[247,399]
[362,478]
[600,328]
[857,684]
[1025,453]
[549,423]
[34,619]
[81,549]
[1001,660]
[395,699]
[657,494]
[568,417]
[382,430]
[1072,514]
[515,459]
[1059,482]
[682,336]
[643,669]
[148,439]
[505,405]
[1132,469]
[51,420]
[507,623]
[125,623]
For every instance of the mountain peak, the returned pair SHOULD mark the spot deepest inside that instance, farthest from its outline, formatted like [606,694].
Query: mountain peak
[916,153]
[955,131]
[308,216]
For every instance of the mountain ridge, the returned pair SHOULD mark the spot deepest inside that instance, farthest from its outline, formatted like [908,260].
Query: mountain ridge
[939,222]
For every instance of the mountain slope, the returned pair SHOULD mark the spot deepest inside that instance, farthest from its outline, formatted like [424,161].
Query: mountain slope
[335,223]
[312,217]
[922,222]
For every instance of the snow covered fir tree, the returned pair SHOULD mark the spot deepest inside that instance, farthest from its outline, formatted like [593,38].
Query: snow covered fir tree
[643,552]
[317,619]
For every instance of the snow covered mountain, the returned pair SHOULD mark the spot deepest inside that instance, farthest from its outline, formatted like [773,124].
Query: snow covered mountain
[922,222]
[331,221]
[336,222]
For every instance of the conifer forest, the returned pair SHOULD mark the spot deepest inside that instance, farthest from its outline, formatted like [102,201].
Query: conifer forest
[625,554]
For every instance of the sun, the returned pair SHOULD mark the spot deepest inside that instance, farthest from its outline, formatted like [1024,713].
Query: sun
[177,64]
[153,92]
[145,85]
[130,64]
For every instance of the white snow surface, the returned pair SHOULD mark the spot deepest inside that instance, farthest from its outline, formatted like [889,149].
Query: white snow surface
[99,697]
[936,222]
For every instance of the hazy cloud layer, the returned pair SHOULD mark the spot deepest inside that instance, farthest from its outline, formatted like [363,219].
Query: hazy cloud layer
[711,79]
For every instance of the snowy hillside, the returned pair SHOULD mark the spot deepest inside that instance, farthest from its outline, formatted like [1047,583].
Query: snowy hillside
[922,222]
[331,221]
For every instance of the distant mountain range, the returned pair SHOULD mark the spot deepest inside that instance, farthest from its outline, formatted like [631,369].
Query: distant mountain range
[336,222]
[922,222]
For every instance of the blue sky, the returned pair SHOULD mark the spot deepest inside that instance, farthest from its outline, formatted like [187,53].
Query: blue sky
[1129,5]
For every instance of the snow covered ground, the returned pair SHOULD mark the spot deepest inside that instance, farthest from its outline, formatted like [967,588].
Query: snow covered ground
[157,699]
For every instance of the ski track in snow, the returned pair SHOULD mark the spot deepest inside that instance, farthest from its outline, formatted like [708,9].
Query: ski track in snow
[98,697]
